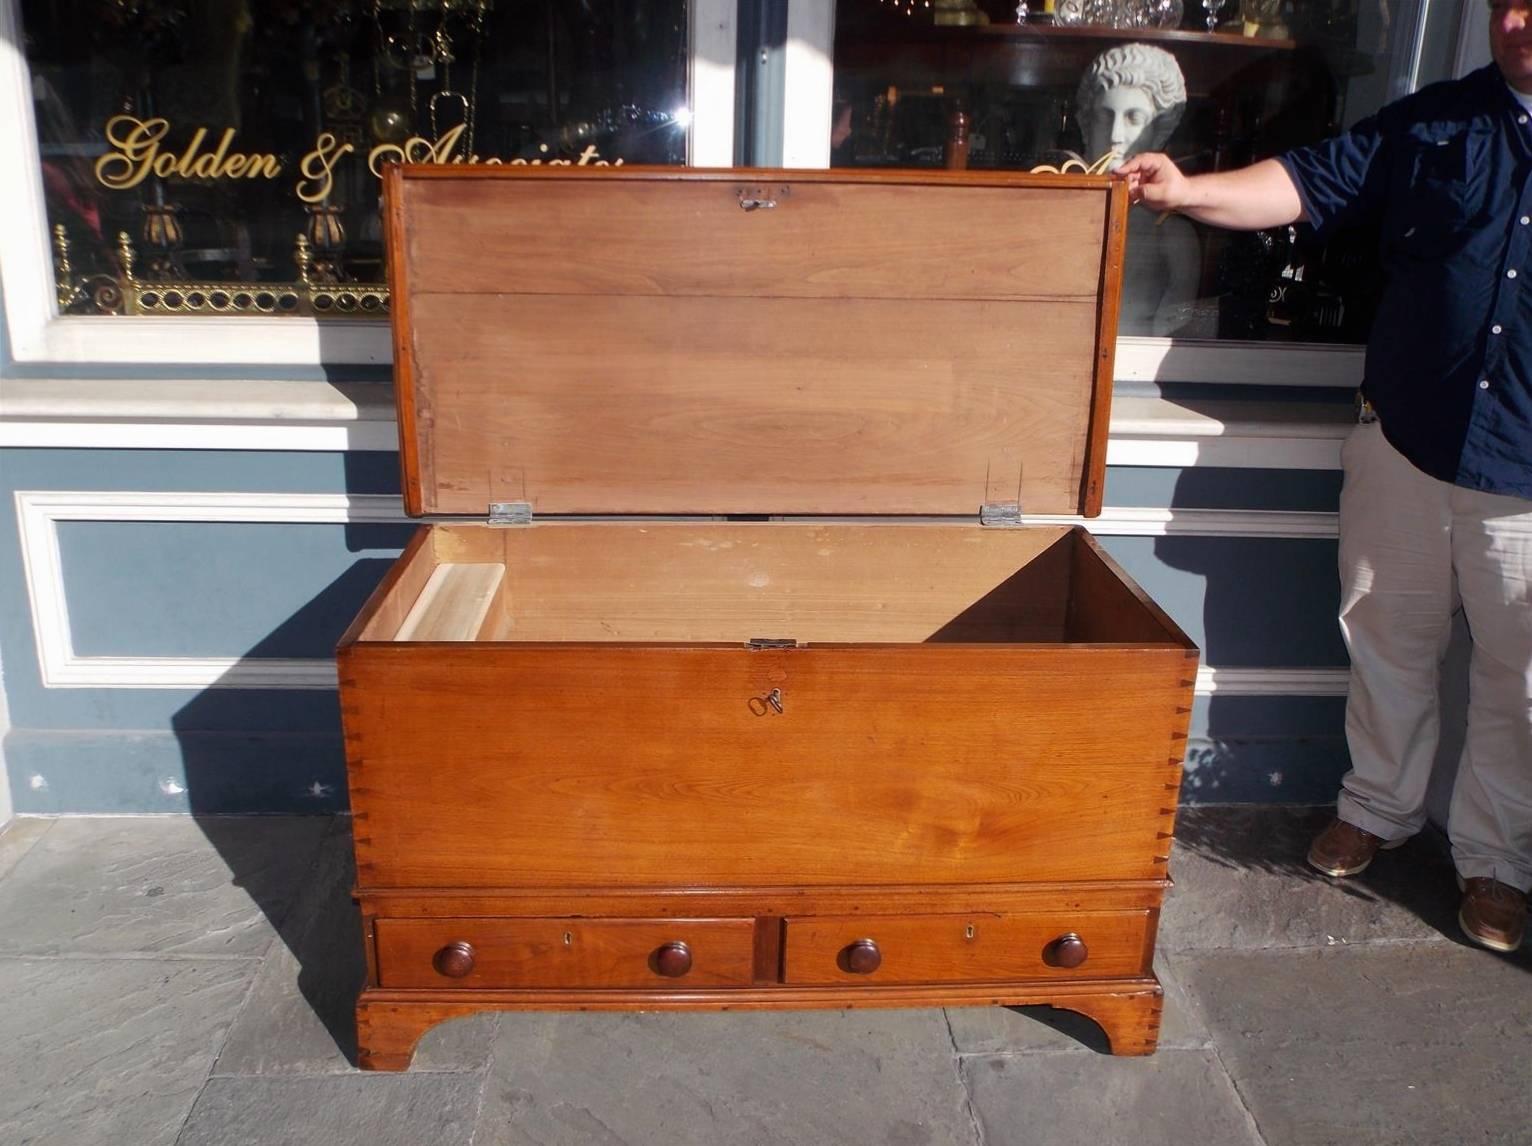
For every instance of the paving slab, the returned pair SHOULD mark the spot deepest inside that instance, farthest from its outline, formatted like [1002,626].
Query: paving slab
[1049,1030]
[162,885]
[1171,1098]
[301,1018]
[17,838]
[1242,882]
[109,1051]
[888,1077]
[1390,1045]
[354,1110]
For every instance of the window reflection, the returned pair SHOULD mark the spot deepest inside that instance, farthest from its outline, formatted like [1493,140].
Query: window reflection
[973,87]
[222,156]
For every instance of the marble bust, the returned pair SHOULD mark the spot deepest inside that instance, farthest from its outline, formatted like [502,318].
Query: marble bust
[1131,99]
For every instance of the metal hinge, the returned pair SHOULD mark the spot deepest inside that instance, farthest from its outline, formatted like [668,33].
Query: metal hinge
[1000,513]
[510,513]
[771,643]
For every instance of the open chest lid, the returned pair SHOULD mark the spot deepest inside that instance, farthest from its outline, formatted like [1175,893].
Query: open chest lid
[684,341]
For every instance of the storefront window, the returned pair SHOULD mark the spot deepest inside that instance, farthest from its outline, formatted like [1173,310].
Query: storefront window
[990,84]
[219,157]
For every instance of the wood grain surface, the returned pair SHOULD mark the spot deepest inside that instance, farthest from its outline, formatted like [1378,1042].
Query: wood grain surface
[823,240]
[630,766]
[742,405]
[388,604]
[456,603]
[731,582]
[682,902]
[390,1022]
[565,952]
[973,948]
[627,342]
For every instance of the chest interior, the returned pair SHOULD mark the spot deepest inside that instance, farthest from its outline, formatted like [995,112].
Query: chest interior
[731,583]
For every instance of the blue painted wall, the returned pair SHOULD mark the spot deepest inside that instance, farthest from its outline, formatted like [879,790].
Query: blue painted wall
[288,590]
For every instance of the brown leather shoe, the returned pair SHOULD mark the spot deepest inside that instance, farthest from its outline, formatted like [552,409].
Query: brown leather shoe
[1345,849]
[1493,914]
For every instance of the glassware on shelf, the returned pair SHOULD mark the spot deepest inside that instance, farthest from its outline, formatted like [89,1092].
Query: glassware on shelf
[1124,14]
[1069,13]
[1130,14]
[1212,7]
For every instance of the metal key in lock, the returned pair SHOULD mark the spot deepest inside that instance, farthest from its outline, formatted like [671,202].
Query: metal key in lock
[772,701]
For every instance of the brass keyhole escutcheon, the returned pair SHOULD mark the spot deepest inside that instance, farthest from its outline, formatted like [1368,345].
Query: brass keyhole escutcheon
[771,702]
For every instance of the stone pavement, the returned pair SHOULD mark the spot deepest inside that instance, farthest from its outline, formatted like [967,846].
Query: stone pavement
[168,980]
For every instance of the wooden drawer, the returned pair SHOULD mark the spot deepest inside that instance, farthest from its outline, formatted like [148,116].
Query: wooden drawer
[966,948]
[517,953]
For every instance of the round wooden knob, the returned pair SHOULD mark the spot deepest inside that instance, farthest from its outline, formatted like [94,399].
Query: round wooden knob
[454,960]
[863,957]
[1068,951]
[673,960]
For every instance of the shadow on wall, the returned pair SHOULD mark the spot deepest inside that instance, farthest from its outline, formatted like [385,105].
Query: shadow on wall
[281,751]
[1268,603]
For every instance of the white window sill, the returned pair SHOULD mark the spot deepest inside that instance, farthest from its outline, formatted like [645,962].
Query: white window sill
[285,415]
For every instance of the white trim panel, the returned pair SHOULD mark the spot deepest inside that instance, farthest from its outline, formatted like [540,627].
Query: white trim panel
[189,673]
[1225,453]
[1172,453]
[39,511]
[197,436]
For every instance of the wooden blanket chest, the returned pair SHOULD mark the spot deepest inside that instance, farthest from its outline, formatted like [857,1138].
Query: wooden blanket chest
[723,751]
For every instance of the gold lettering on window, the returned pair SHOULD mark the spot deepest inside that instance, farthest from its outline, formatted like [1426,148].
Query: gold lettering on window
[138,152]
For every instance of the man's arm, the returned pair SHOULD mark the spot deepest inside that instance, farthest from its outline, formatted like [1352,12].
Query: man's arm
[1250,199]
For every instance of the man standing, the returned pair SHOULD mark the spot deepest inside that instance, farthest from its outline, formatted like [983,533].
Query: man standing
[1436,508]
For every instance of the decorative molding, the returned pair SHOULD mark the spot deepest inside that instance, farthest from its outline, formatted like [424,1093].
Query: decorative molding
[1237,453]
[43,507]
[280,415]
[1142,521]
[199,436]
[1272,681]
[39,511]
[1239,363]
[194,673]
[281,437]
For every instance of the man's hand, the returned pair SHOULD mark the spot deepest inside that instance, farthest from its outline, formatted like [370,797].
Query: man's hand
[1156,182]
[1250,199]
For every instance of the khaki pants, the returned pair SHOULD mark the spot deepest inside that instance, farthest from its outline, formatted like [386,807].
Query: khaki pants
[1413,550]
